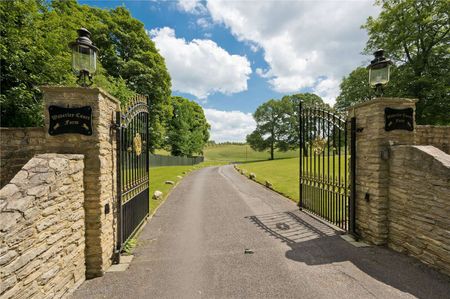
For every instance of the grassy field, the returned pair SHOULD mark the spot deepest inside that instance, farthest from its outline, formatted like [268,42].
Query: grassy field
[241,153]
[283,174]
[236,153]
[162,152]
[158,175]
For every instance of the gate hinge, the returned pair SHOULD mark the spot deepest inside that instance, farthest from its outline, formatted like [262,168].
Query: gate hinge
[114,126]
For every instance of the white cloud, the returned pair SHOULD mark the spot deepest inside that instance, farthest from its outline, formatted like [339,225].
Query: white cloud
[203,23]
[200,67]
[229,125]
[327,89]
[191,6]
[303,41]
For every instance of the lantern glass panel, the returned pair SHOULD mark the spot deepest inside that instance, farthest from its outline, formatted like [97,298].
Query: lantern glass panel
[379,76]
[84,59]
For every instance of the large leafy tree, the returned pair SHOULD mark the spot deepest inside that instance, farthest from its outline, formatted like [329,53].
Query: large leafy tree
[272,127]
[34,52]
[415,34]
[188,130]
[354,89]
[128,53]
[292,104]
[27,60]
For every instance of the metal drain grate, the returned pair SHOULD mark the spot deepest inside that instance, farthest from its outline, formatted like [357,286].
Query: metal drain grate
[282,226]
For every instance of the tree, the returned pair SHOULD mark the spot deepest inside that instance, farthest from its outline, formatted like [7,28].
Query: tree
[293,102]
[354,89]
[127,52]
[25,58]
[34,51]
[272,127]
[415,34]
[187,129]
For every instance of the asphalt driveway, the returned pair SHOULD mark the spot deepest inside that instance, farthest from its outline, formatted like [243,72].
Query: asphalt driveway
[194,247]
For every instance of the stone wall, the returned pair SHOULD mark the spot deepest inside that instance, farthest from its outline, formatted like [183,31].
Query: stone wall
[372,170]
[402,184]
[99,151]
[437,136]
[42,228]
[419,204]
[17,146]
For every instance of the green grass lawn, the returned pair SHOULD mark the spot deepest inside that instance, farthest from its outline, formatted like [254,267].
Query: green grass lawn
[283,174]
[241,153]
[158,175]
[162,152]
[236,153]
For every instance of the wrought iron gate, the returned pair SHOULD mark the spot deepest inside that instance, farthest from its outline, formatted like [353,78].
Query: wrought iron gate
[326,180]
[132,168]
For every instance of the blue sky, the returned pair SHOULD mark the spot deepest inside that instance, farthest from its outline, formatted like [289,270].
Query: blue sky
[231,56]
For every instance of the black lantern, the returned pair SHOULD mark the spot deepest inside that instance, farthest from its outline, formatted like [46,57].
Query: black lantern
[379,71]
[84,57]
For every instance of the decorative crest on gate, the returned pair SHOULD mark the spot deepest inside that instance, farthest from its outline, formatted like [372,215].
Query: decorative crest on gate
[137,141]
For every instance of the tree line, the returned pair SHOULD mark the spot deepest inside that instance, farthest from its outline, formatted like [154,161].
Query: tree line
[34,51]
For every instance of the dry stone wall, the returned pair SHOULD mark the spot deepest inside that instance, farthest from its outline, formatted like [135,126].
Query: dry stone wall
[437,136]
[419,204]
[42,228]
[17,146]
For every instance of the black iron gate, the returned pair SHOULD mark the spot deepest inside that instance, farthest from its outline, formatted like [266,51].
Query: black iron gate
[326,179]
[132,168]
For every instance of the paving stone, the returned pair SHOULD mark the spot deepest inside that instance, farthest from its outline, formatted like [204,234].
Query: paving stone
[126,259]
[118,268]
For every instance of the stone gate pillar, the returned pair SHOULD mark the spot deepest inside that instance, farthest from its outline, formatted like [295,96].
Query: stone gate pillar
[372,154]
[99,149]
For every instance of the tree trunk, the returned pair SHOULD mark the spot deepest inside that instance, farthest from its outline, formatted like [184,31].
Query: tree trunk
[271,150]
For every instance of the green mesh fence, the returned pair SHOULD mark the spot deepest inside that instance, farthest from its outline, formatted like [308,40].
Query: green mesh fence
[159,160]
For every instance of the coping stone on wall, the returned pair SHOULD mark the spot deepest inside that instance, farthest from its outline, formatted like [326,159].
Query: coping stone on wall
[381,100]
[95,90]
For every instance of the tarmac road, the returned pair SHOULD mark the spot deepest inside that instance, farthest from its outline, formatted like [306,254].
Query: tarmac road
[194,246]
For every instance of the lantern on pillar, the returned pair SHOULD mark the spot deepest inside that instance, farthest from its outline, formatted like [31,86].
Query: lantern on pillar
[84,57]
[379,71]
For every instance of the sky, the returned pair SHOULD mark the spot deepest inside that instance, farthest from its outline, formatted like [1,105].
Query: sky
[232,56]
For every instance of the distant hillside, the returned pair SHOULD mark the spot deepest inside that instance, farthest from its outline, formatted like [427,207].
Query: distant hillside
[241,153]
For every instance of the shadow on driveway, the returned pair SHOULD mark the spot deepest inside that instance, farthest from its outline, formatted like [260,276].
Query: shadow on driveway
[315,243]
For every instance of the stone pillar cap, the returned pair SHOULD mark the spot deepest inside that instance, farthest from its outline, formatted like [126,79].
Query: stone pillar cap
[85,90]
[383,100]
